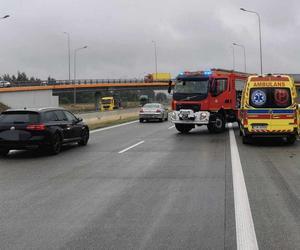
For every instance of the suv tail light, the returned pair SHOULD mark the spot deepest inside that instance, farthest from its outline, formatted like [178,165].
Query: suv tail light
[158,110]
[36,127]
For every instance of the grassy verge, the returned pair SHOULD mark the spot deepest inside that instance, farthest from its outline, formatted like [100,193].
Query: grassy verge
[102,124]
[3,107]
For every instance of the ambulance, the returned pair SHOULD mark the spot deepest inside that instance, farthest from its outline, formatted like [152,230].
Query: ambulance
[269,108]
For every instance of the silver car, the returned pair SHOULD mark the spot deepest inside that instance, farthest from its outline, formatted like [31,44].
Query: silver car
[153,111]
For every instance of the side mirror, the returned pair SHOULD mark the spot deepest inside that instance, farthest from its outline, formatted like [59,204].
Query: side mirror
[213,89]
[79,119]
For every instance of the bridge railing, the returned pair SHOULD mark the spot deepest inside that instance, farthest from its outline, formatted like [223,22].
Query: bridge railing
[75,82]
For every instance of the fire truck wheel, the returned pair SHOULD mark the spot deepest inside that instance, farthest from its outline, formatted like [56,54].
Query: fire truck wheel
[218,126]
[291,139]
[183,128]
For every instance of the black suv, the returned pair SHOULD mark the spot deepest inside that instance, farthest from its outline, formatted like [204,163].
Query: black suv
[45,128]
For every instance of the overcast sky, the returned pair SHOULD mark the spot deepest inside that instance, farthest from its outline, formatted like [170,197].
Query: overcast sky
[190,35]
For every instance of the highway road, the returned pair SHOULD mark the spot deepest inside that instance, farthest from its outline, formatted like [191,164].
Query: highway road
[145,186]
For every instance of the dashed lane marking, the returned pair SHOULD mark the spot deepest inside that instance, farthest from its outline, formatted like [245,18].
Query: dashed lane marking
[110,127]
[126,149]
[245,232]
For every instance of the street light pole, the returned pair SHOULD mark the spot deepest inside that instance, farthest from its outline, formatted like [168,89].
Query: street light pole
[75,51]
[242,46]
[69,54]
[259,27]
[155,54]
[233,58]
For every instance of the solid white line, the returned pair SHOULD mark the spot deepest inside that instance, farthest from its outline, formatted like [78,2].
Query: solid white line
[110,127]
[245,232]
[126,149]
[171,127]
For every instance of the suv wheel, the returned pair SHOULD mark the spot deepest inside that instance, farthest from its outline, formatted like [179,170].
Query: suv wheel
[84,138]
[4,152]
[56,144]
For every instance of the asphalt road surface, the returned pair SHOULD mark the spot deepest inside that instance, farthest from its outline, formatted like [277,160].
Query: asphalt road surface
[145,186]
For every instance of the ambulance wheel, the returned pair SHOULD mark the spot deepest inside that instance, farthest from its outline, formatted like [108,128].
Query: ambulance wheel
[291,139]
[241,132]
[183,128]
[246,139]
[4,152]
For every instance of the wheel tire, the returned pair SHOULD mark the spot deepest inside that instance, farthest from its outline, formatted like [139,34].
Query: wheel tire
[166,119]
[246,139]
[84,138]
[240,132]
[291,139]
[56,144]
[161,119]
[4,152]
[141,120]
[218,126]
[210,128]
[183,128]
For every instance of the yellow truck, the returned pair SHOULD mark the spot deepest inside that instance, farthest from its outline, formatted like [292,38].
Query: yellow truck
[108,103]
[269,108]
[158,77]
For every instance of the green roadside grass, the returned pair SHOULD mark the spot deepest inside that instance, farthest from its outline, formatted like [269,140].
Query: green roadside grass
[102,124]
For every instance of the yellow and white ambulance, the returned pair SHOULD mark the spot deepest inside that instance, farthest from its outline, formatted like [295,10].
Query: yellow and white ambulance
[269,108]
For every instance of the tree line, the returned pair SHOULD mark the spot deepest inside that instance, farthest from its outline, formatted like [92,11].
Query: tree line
[22,77]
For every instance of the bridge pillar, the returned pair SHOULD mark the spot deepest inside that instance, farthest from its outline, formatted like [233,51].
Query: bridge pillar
[97,100]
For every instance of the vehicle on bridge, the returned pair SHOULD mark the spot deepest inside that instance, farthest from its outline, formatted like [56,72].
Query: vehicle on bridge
[158,77]
[4,84]
[209,98]
[269,108]
[45,128]
[109,103]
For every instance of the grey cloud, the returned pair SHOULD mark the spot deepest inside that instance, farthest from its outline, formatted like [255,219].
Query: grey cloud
[190,34]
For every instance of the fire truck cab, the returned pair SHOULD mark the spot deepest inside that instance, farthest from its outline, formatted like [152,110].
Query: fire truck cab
[209,98]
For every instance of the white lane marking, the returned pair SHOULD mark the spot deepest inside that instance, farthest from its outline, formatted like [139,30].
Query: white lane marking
[126,149]
[245,232]
[110,127]
[171,127]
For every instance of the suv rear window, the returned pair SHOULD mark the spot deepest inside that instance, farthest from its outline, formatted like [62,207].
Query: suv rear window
[270,97]
[19,117]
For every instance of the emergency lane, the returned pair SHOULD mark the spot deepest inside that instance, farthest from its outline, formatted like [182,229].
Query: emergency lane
[272,173]
[172,191]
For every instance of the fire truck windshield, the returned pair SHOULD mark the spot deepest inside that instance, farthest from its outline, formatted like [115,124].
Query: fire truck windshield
[190,90]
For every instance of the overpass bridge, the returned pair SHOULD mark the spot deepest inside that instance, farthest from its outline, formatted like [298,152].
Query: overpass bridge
[45,94]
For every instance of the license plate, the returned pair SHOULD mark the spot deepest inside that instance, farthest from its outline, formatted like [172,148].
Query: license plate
[259,126]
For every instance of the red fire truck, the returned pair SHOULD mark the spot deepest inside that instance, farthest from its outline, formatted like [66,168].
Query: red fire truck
[209,98]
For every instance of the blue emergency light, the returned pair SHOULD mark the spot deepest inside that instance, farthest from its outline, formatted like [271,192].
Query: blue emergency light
[207,72]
